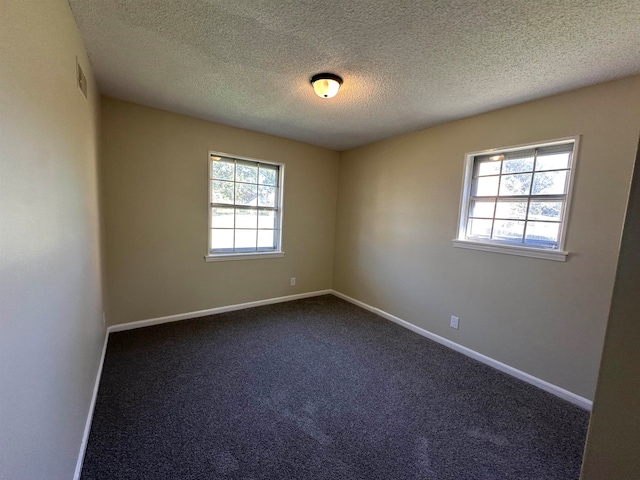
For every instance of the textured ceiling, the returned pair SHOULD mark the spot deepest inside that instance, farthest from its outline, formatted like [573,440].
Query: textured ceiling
[406,65]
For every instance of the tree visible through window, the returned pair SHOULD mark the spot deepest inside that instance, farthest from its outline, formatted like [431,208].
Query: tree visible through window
[518,197]
[244,206]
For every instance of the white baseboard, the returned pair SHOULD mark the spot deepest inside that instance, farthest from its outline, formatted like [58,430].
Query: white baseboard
[544,385]
[92,406]
[212,311]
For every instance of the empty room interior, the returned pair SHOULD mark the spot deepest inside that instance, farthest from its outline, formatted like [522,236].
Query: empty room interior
[319,240]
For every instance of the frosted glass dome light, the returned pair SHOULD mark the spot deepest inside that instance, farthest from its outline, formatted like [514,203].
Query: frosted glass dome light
[326,85]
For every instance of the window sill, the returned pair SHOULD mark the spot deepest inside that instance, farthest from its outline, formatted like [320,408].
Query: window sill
[224,257]
[555,255]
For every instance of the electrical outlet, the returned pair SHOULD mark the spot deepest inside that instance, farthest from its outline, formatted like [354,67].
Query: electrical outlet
[104,319]
[293,281]
[453,323]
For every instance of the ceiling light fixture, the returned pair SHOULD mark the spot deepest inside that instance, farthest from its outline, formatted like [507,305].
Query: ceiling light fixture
[326,85]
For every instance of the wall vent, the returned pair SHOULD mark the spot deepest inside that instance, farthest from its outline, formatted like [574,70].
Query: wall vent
[81,79]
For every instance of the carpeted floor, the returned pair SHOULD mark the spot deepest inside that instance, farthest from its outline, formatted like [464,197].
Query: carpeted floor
[318,389]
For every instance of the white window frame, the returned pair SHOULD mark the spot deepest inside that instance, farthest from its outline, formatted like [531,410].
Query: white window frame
[245,255]
[559,254]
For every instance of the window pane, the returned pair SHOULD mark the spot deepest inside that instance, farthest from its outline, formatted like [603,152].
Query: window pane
[517,165]
[487,167]
[221,239]
[266,196]
[267,219]
[222,217]
[515,210]
[549,183]
[518,184]
[246,218]
[246,238]
[485,187]
[268,175]
[222,170]
[479,228]
[518,196]
[482,208]
[542,234]
[553,162]
[222,192]
[240,189]
[545,211]
[266,239]
[246,194]
[508,230]
[246,172]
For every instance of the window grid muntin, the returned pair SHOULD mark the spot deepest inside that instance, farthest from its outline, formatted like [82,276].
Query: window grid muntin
[213,157]
[568,148]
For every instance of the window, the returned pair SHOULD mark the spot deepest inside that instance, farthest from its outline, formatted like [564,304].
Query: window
[516,200]
[245,208]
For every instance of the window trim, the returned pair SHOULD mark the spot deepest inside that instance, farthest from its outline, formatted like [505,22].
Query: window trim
[559,254]
[246,255]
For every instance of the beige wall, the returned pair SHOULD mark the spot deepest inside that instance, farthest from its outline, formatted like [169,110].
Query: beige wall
[155,208]
[398,212]
[614,432]
[51,331]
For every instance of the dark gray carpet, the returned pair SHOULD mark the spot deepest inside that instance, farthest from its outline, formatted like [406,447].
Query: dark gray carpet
[318,389]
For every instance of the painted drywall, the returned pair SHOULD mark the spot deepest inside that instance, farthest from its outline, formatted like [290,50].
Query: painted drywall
[398,206]
[614,432]
[155,189]
[51,332]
